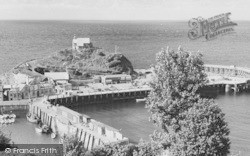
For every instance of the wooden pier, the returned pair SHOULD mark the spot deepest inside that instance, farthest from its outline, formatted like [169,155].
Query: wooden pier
[99,97]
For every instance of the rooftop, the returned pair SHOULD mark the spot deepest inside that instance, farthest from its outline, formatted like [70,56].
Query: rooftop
[57,75]
[81,41]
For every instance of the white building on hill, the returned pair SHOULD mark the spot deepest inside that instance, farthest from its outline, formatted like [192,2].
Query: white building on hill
[80,43]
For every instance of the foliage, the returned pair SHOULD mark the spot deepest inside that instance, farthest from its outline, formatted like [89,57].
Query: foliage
[114,149]
[148,149]
[88,60]
[5,141]
[191,125]
[73,147]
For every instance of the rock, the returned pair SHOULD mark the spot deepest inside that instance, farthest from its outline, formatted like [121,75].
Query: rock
[78,64]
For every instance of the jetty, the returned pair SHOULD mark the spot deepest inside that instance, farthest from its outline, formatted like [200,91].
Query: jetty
[227,78]
[66,122]
[98,93]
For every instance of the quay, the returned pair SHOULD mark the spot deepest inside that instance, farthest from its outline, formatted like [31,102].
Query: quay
[66,122]
[86,97]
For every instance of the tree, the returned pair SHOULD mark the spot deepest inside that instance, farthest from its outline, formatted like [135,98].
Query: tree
[191,125]
[72,146]
[5,142]
[114,149]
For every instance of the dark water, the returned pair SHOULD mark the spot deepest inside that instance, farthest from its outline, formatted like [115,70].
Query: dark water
[139,41]
[131,118]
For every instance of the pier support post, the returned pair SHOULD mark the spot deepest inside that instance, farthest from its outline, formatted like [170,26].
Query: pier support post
[236,89]
[227,88]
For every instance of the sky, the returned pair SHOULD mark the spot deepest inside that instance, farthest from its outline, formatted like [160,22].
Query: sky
[121,9]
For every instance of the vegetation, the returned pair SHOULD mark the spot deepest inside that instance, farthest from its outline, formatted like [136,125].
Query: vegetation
[191,125]
[74,147]
[5,141]
[81,64]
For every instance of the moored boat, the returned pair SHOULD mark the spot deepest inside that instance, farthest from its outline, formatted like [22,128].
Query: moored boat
[12,115]
[39,129]
[45,129]
[7,118]
[31,118]
[53,135]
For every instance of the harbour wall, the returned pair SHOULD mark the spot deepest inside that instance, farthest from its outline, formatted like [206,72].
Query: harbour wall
[64,121]
[14,105]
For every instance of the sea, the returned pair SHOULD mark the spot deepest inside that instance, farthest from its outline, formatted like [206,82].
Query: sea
[139,41]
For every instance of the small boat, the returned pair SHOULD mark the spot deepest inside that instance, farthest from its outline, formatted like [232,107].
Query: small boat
[45,129]
[12,115]
[53,135]
[7,118]
[39,129]
[12,120]
[31,118]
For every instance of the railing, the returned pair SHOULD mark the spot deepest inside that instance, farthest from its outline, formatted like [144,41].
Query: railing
[227,70]
[98,93]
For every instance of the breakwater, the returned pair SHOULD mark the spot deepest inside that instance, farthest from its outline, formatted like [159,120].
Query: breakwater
[64,121]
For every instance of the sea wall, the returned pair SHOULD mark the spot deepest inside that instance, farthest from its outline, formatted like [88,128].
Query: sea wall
[14,105]
[64,121]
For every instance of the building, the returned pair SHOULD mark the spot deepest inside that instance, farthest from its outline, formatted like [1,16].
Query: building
[81,43]
[1,93]
[24,91]
[28,77]
[63,88]
[115,79]
[58,77]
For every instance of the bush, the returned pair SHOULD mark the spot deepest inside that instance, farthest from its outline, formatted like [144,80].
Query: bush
[5,142]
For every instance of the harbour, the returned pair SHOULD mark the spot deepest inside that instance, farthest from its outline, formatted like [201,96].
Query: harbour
[128,115]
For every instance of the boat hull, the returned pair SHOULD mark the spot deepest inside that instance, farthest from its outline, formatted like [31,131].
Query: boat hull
[31,119]
[39,130]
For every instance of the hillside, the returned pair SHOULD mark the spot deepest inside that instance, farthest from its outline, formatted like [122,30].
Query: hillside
[83,64]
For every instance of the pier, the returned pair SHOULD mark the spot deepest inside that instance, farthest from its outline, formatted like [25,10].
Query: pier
[227,78]
[99,97]
[232,71]
[64,121]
